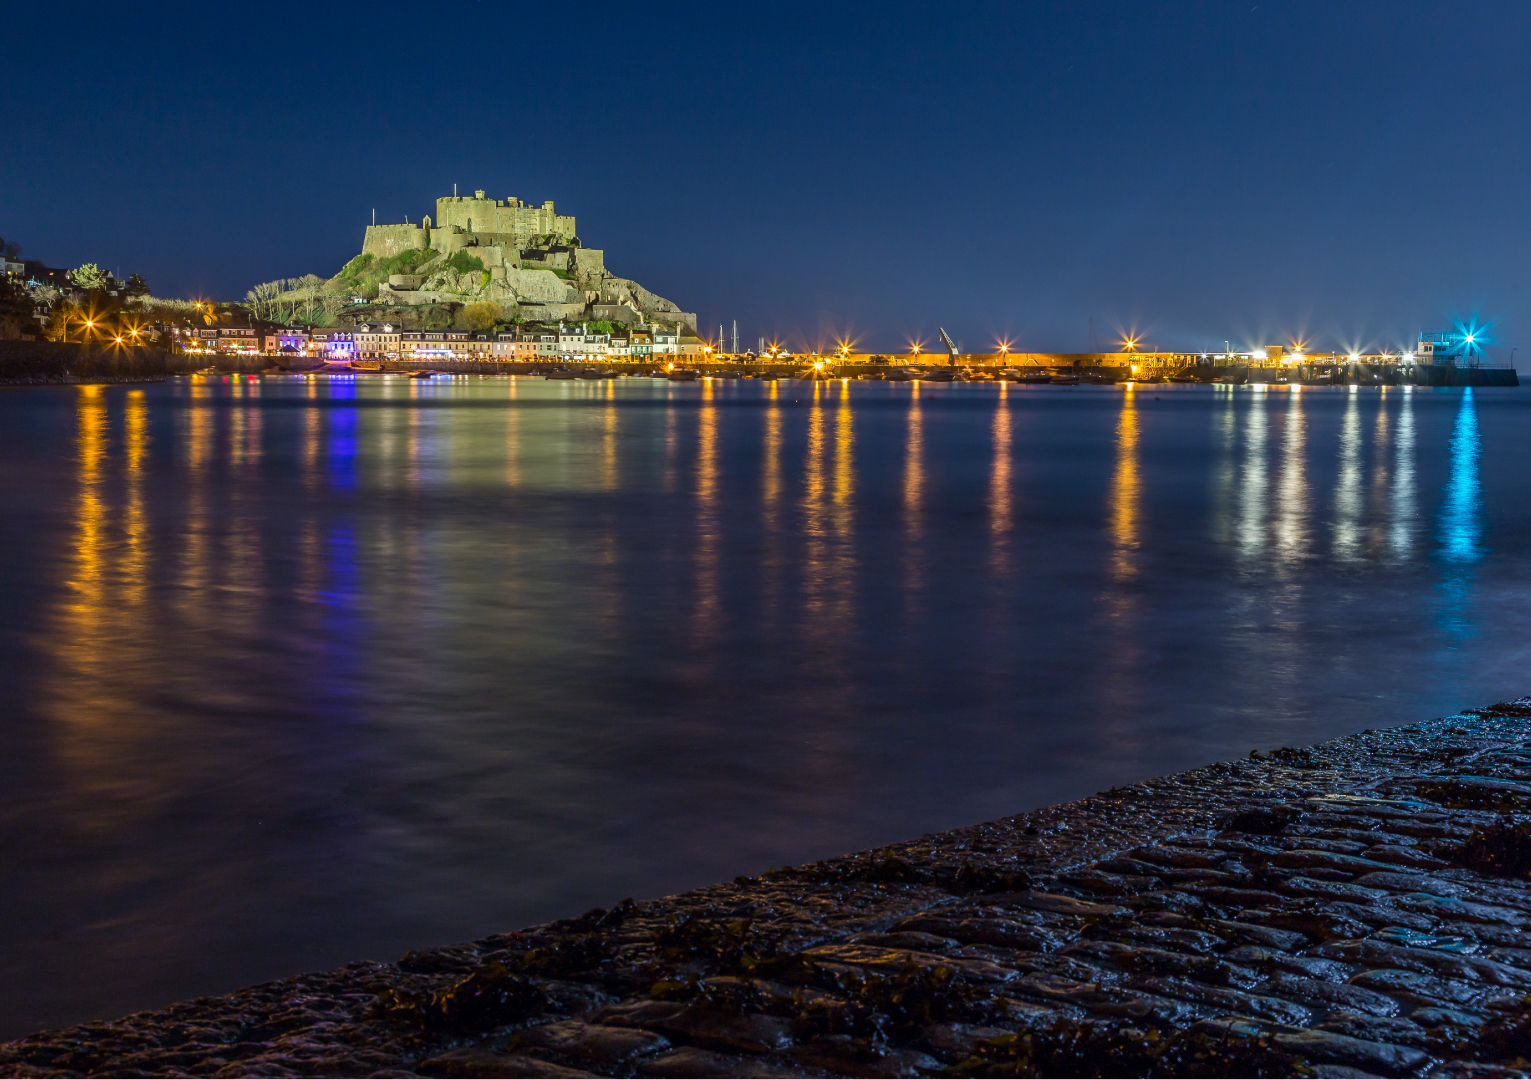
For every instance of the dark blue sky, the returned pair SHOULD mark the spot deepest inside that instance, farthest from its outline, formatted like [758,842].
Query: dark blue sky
[1199,171]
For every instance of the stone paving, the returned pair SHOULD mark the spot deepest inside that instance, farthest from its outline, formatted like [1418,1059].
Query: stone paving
[1357,908]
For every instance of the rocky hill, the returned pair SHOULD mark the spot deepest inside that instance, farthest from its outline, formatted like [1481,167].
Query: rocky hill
[525,260]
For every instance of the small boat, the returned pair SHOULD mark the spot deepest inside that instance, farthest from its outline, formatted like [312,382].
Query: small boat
[1184,378]
[1063,380]
[559,375]
[421,374]
[681,375]
[1035,377]
[897,376]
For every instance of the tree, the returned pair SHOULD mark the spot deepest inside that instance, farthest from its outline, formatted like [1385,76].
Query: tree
[89,276]
[263,298]
[16,309]
[137,286]
[309,284]
[57,326]
[11,249]
[483,315]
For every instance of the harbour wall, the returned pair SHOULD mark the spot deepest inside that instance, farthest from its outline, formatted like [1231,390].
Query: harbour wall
[41,363]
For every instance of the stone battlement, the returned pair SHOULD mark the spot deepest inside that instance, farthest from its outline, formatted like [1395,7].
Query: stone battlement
[476,220]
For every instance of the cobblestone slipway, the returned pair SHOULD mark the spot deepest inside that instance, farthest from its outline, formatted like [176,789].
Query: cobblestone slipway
[1356,908]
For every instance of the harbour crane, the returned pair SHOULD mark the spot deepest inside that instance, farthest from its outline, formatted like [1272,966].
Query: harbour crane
[951,346]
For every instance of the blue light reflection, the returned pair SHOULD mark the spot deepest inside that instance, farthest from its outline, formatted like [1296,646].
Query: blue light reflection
[1460,531]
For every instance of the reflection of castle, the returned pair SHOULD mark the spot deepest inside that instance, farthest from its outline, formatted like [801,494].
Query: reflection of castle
[473,222]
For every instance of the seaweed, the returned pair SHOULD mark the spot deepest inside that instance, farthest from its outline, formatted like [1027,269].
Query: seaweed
[905,1001]
[1503,849]
[490,997]
[1074,1048]
[1455,795]
[878,868]
[971,880]
[1508,1035]
[731,946]
[1265,820]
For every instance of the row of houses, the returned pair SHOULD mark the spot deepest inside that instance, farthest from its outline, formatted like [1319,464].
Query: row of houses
[385,341]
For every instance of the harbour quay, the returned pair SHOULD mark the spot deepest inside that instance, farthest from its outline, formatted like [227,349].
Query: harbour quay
[1355,908]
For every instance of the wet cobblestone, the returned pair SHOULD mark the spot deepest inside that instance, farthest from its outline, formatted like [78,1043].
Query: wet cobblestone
[1357,908]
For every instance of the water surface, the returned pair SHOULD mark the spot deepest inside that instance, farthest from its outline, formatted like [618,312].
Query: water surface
[304,670]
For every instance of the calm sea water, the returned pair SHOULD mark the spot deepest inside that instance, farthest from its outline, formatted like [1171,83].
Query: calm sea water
[300,671]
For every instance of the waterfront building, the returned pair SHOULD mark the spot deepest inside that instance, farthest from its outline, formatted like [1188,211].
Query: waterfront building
[642,345]
[545,344]
[334,344]
[665,342]
[231,339]
[424,346]
[377,341]
[478,345]
[285,340]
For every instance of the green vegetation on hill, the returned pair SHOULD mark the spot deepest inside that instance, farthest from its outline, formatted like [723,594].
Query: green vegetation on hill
[366,272]
[460,261]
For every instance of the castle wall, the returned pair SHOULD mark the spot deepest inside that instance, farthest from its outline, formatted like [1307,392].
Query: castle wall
[538,285]
[386,241]
[478,214]
[590,261]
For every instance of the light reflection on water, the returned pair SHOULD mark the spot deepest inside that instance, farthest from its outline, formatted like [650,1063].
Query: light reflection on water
[310,670]
[1460,533]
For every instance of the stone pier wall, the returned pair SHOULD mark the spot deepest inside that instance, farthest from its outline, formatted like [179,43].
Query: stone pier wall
[48,362]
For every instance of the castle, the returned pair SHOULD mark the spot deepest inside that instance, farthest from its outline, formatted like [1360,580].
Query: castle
[528,259]
[473,222]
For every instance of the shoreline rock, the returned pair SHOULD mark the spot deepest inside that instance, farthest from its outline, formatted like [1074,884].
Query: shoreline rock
[1355,908]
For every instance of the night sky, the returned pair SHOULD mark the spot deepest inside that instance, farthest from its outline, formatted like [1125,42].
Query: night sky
[1341,173]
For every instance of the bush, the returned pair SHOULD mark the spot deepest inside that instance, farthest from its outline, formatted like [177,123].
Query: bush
[355,267]
[483,315]
[462,262]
